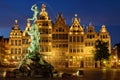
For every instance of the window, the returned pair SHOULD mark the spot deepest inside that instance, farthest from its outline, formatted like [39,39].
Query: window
[74,50]
[27,41]
[81,50]
[45,24]
[81,38]
[56,36]
[86,44]
[23,41]
[26,50]
[78,39]
[15,50]
[60,45]
[19,42]
[71,57]
[12,51]
[61,30]
[26,34]
[103,36]
[70,49]
[90,37]
[66,36]
[19,51]
[74,39]
[49,31]
[106,36]
[46,49]
[15,42]
[91,31]
[12,42]
[70,38]
[78,50]
[93,36]
[56,30]
[15,34]
[49,49]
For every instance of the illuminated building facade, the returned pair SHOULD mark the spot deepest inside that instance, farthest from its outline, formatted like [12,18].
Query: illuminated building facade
[70,46]
[76,44]
[4,50]
[1,48]
[26,39]
[115,56]
[45,28]
[60,40]
[15,44]
[81,44]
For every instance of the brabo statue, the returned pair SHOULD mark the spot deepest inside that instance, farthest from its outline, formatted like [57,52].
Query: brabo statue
[35,37]
[34,32]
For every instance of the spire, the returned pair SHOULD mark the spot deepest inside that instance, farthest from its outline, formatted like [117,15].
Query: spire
[43,7]
[75,15]
[16,32]
[16,25]
[90,28]
[27,28]
[90,24]
[60,15]
[60,19]
[76,27]
[103,29]
[28,23]
[76,21]
[16,21]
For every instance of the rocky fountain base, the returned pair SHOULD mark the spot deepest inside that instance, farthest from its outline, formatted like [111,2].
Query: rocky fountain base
[32,67]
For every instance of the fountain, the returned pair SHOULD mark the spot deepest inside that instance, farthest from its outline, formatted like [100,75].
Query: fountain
[33,64]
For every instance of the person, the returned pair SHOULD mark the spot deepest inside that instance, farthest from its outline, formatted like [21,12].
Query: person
[35,9]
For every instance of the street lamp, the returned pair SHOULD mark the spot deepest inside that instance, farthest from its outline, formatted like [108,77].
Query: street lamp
[115,61]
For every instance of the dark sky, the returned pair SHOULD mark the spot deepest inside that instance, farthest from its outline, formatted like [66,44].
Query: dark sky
[98,12]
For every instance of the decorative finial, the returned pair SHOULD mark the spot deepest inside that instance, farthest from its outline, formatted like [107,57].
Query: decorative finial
[16,24]
[28,22]
[43,12]
[43,7]
[16,21]
[103,26]
[90,24]
[75,15]
[103,29]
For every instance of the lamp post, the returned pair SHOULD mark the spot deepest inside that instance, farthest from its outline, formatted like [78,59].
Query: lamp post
[115,61]
[81,62]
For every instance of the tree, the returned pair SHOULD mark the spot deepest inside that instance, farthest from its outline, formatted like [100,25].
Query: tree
[101,51]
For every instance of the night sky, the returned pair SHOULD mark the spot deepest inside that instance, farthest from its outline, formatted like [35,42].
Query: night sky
[98,12]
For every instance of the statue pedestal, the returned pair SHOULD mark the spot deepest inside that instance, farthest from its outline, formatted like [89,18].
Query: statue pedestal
[31,67]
